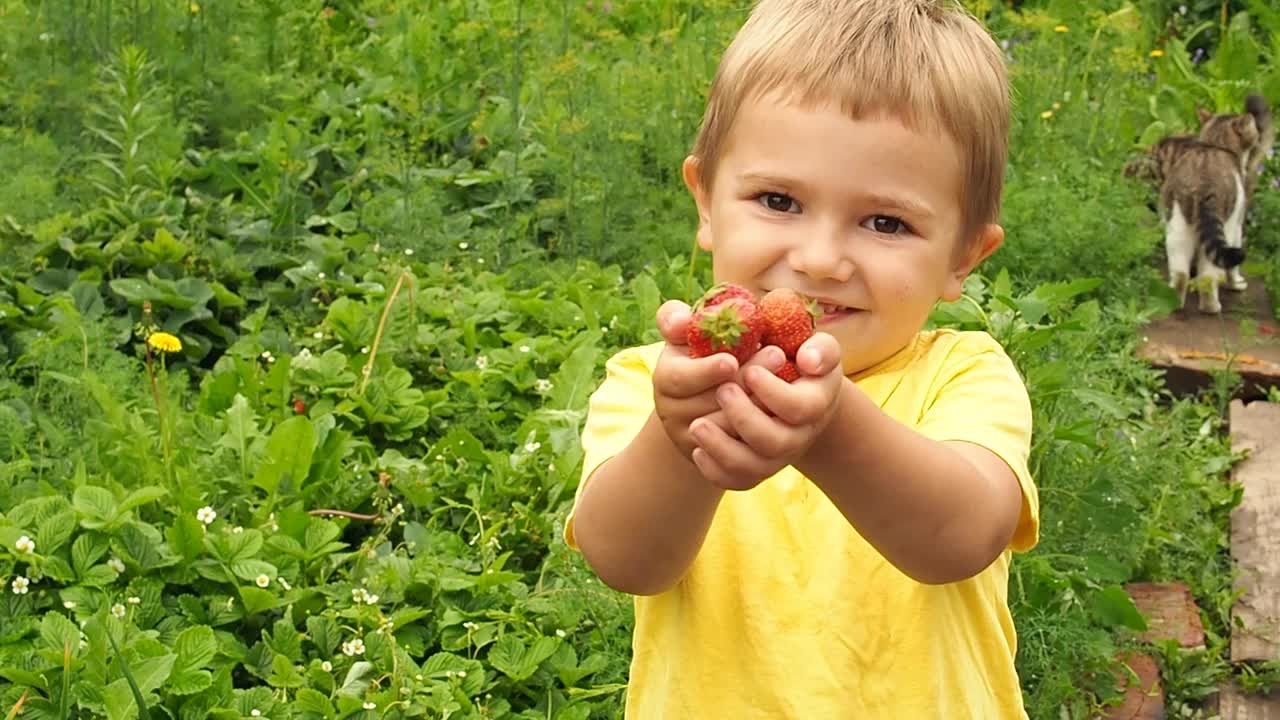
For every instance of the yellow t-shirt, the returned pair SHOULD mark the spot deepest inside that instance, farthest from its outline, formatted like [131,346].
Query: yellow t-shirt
[788,613]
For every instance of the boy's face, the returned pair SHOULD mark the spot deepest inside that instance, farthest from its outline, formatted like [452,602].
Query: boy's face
[863,215]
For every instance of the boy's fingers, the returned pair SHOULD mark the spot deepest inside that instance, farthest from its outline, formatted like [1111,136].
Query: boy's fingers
[680,376]
[673,321]
[818,355]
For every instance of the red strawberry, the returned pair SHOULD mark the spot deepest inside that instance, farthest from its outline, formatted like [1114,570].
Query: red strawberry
[732,325]
[789,372]
[789,319]
[720,292]
[299,407]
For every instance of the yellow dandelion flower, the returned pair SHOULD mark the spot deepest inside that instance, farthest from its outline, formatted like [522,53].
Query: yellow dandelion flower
[1157,53]
[1046,114]
[164,342]
[1061,28]
[194,8]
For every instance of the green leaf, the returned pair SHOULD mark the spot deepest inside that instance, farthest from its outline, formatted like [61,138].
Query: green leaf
[242,426]
[323,633]
[573,383]
[54,532]
[288,455]
[140,497]
[284,674]
[96,505]
[308,700]
[355,683]
[251,569]
[256,599]
[516,660]
[87,550]
[56,631]
[1114,607]
[186,536]
[195,648]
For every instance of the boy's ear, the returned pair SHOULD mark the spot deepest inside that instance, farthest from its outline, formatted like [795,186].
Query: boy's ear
[968,257]
[692,172]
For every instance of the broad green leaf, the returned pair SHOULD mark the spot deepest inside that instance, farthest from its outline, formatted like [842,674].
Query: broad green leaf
[144,544]
[186,536]
[256,599]
[308,700]
[54,532]
[195,648]
[140,497]
[56,629]
[519,661]
[242,426]
[96,505]
[87,550]
[284,674]
[251,569]
[288,455]
[323,633]
[1114,606]
[573,383]
[355,682]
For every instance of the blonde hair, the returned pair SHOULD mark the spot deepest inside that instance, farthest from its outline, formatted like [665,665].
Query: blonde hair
[928,63]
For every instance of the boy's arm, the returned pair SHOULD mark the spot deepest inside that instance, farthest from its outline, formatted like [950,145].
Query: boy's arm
[939,511]
[644,514]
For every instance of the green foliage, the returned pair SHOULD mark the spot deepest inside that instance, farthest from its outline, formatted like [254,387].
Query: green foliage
[398,243]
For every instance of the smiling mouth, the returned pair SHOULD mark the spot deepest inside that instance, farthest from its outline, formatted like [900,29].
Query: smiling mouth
[832,312]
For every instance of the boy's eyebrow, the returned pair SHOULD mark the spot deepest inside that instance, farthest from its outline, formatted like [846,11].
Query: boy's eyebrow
[906,205]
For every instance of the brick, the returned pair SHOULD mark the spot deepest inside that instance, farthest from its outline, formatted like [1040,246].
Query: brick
[1235,704]
[1171,613]
[1143,697]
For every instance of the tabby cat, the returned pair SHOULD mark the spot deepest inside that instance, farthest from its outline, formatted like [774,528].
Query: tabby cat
[1232,132]
[1202,204]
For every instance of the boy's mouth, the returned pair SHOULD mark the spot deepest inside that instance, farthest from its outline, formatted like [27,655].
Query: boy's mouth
[833,312]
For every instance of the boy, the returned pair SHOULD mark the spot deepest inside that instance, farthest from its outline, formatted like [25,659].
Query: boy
[837,547]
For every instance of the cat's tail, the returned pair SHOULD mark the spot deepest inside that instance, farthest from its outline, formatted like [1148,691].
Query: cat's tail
[1256,105]
[1213,238]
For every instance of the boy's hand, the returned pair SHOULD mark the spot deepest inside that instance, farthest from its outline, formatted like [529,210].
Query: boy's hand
[774,426]
[684,388]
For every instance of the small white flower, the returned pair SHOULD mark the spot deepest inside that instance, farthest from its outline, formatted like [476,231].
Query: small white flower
[45,37]
[318,335]
[25,545]
[20,585]
[326,666]
[354,647]
[117,610]
[463,246]
[462,673]
[370,706]
[266,354]
[524,348]
[470,625]
[543,385]
[255,712]
[320,275]
[206,515]
[560,633]
[551,467]
[284,583]
[262,580]
[237,530]
[408,251]
[532,447]
[116,564]
[482,362]
[364,350]
[69,604]
[134,600]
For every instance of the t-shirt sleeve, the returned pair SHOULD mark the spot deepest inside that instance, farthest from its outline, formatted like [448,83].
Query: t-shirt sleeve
[980,398]
[616,412]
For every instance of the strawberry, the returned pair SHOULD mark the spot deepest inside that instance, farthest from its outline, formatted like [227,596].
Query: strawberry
[299,407]
[720,292]
[789,371]
[789,319]
[731,325]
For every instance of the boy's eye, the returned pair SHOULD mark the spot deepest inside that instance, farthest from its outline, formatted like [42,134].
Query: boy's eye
[887,225]
[777,202]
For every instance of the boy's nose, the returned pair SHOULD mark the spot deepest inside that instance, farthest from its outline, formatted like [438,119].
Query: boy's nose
[825,254]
